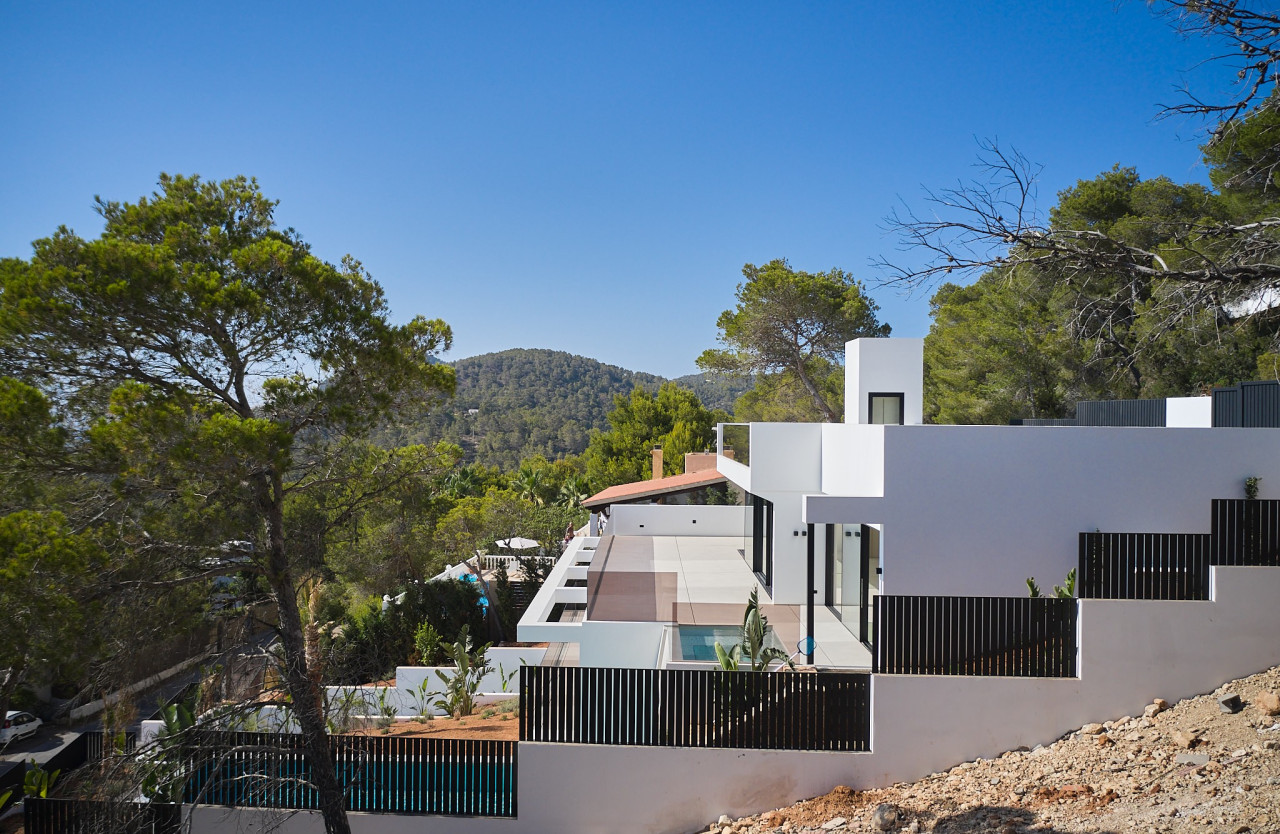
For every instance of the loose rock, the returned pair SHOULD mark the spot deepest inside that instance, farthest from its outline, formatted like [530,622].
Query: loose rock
[886,817]
[1172,770]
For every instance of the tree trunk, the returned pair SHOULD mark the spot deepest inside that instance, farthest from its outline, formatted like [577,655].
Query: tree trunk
[308,705]
[832,416]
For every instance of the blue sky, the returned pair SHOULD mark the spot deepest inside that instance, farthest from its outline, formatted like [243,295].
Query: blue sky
[588,177]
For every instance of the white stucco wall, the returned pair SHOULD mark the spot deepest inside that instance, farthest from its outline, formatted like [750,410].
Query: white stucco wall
[790,553]
[1189,412]
[786,457]
[736,472]
[884,366]
[676,520]
[975,510]
[852,459]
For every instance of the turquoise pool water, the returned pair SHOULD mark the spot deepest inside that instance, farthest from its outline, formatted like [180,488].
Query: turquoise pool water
[699,642]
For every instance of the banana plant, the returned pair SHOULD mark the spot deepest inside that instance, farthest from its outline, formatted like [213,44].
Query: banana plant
[166,778]
[751,650]
[37,781]
[461,685]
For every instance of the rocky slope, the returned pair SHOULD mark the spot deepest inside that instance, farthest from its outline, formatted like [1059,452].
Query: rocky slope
[1196,766]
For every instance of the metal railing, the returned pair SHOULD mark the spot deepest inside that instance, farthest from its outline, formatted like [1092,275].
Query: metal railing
[1246,532]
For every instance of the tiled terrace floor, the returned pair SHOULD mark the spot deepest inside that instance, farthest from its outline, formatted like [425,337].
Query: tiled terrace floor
[697,580]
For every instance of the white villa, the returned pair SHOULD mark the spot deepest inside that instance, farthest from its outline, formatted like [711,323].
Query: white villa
[892,560]
[839,514]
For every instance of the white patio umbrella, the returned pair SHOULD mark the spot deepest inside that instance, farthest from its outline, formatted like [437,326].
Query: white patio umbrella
[517,543]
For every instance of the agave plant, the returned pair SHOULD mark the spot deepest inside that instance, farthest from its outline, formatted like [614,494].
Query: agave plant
[750,652]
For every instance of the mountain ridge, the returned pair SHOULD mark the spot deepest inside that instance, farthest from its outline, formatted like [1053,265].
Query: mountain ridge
[515,403]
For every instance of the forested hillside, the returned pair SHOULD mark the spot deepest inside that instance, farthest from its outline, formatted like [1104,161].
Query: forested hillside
[518,403]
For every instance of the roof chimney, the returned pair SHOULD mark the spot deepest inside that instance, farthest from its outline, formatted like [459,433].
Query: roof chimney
[657,462]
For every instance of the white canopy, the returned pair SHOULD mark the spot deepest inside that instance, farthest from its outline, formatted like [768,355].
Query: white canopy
[517,543]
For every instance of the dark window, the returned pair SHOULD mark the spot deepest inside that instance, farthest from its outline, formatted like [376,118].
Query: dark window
[885,409]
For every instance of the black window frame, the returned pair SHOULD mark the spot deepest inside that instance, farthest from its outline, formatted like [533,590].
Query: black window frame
[902,410]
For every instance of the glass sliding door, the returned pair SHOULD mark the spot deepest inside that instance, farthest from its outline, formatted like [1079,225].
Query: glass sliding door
[761,525]
[852,557]
[869,556]
[844,574]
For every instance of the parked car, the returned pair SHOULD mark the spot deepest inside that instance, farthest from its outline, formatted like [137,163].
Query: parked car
[18,725]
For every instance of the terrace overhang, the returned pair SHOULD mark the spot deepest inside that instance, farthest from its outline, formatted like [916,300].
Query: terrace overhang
[841,509]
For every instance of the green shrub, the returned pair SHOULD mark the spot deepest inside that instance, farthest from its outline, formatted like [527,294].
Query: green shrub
[427,642]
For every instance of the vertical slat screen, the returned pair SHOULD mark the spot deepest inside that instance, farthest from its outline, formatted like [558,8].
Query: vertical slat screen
[993,636]
[1151,566]
[1246,533]
[697,708]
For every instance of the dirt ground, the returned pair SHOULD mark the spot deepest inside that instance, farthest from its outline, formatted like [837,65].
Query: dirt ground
[501,727]
[1191,767]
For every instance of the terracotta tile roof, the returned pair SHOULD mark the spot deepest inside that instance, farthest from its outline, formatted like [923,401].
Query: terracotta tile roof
[625,493]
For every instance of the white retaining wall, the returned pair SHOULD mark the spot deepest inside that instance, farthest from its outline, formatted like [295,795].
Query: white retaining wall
[975,510]
[209,819]
[1131,652]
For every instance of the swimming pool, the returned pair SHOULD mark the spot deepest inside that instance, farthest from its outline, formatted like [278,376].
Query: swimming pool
[699,642]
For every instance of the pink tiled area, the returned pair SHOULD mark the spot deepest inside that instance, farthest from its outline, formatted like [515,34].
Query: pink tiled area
[694,580]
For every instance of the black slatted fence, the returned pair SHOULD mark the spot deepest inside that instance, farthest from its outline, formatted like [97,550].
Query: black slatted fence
[696,708]
[393,774]
[97,748]
[1246,533]
[1144,565]
[73,816]
[999,636]
[11,782]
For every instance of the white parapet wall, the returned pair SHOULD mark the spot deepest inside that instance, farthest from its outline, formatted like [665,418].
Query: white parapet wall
[1189,412]
[536,625]
[677,520]
[632,645]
